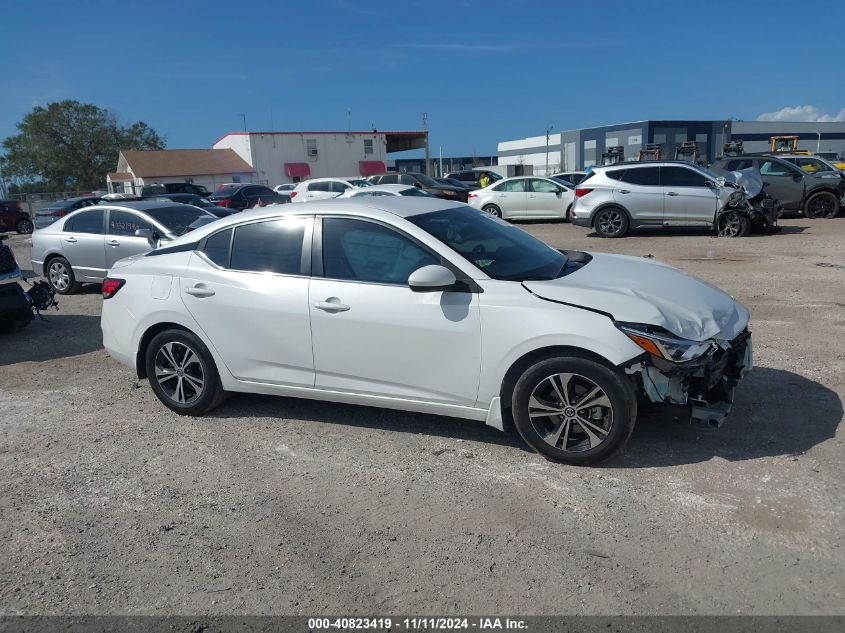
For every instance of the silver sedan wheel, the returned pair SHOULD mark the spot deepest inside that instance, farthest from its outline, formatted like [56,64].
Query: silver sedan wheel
[179,372]
[570,412]
[59,276]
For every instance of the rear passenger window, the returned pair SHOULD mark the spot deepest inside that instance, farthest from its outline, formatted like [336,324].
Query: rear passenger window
[681,177]
[339,187]
[217,248]
[274,246]
[647,176]
[511,186]
[319,186]
[86,222]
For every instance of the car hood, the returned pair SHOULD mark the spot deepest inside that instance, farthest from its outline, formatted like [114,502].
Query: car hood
[636,290]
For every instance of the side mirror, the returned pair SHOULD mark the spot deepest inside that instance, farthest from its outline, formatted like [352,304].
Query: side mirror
[433,278]
[709,184]
[146,234]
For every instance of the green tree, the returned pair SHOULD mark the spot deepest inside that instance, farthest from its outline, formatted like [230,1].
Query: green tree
[69,138]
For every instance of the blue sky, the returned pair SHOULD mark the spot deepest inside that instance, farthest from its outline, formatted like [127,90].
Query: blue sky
[484,71]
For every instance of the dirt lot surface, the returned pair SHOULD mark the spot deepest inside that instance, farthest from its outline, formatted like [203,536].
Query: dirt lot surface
[113,504]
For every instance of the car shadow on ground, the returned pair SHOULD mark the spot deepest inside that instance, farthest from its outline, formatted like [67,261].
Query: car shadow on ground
[693,231]
[57,336]
[776,413]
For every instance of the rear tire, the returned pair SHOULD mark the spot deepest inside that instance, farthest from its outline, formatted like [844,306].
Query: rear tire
[24,227]
[556,415]
[182,373]
[493,210]
[611,222]
[60,276]
[822,204]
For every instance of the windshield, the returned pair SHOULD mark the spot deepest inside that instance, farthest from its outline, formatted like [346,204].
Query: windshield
[360,182]
[413,191]
[562,181]
[499,249]
[428,182]
[226,191]
[177,219]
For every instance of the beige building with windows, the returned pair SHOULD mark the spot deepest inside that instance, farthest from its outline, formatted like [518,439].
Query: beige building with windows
[283,157]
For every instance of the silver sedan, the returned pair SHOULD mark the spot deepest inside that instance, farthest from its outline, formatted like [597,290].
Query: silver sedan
[84,245]
[525,198]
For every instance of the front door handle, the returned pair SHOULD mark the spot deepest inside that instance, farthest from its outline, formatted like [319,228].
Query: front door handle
[113,243]
[199,291]
[332,304]
[72,240]
[624,191]
[671,193]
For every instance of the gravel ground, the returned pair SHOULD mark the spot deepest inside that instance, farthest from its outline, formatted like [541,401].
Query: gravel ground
[114,505]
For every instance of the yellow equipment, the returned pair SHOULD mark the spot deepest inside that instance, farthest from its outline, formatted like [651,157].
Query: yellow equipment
[787,144]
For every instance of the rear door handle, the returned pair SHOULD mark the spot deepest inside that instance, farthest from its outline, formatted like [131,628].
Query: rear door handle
[199,291]
[332,304]
[624,191]
[671,193]
[113,243]
[72,240]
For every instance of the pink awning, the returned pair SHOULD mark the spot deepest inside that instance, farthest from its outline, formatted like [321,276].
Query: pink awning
[370,167]
[295,170]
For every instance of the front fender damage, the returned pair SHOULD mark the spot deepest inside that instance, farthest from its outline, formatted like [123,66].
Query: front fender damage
[705,386]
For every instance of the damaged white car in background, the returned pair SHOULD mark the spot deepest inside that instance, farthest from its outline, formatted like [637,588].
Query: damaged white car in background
[422,305]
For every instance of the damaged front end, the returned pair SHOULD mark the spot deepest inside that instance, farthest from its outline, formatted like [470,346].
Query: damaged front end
[699,376]
[745,205]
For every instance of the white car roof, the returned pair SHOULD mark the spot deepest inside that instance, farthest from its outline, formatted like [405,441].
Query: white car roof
[378,207]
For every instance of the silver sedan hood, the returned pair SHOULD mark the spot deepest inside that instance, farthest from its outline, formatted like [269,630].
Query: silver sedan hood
[636,290]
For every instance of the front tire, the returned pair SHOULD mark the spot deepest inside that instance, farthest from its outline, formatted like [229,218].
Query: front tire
[611,222]
[574,410]
[182,373]
[822,204]
[60,276]
[733,224]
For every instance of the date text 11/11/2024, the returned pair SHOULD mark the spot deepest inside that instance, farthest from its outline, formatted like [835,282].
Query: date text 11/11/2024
[417,624]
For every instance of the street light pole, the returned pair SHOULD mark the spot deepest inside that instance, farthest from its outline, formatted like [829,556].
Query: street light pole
[548,130]
[819,142]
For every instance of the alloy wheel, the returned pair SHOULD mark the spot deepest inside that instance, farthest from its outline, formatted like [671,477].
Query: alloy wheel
[730,224]
[570,412]
[59,276]
[179,372]
[823,206]
[610,222]
[24,227]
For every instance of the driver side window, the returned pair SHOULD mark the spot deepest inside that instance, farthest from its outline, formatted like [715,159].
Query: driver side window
[358,250]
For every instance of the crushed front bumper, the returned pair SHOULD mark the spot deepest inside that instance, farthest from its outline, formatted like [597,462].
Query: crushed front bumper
[704,386]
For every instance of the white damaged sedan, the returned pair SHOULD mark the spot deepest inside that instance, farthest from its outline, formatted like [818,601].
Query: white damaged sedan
[421,305]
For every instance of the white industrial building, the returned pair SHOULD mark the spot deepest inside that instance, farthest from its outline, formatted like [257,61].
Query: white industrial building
[283,157]
[576,149]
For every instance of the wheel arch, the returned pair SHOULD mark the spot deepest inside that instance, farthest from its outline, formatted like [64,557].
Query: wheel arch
[532,357]
[609,205]
[144,343]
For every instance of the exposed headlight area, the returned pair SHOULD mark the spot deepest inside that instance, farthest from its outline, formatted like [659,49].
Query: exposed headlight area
[665,345]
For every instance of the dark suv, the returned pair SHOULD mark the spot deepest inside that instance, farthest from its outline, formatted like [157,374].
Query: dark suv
[240,197]
[814,195]
[426,183]
[13,218]
[469,178]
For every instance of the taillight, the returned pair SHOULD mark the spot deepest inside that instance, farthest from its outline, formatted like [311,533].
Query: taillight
[293,194]
[58,213]
[223,202]
[18,206]
[111,286]
[580,192]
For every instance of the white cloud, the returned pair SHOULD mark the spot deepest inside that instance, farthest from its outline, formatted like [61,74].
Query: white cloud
[801,113]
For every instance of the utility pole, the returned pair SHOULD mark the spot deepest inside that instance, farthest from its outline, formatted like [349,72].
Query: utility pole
[548,131]
[243,116]
[425,127]
[819,142]
[441,161]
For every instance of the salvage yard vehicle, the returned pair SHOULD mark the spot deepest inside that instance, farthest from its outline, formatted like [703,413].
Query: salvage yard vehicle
[14,218]
[18,307]
[470,178]
[417,304]
[525,198]
[626,196]
[815,195]
[52,212]
[84,245]
[240,197]
[384,190]
[324,188]
[421,181]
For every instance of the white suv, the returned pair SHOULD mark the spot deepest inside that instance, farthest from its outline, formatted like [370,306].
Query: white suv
[624,196]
